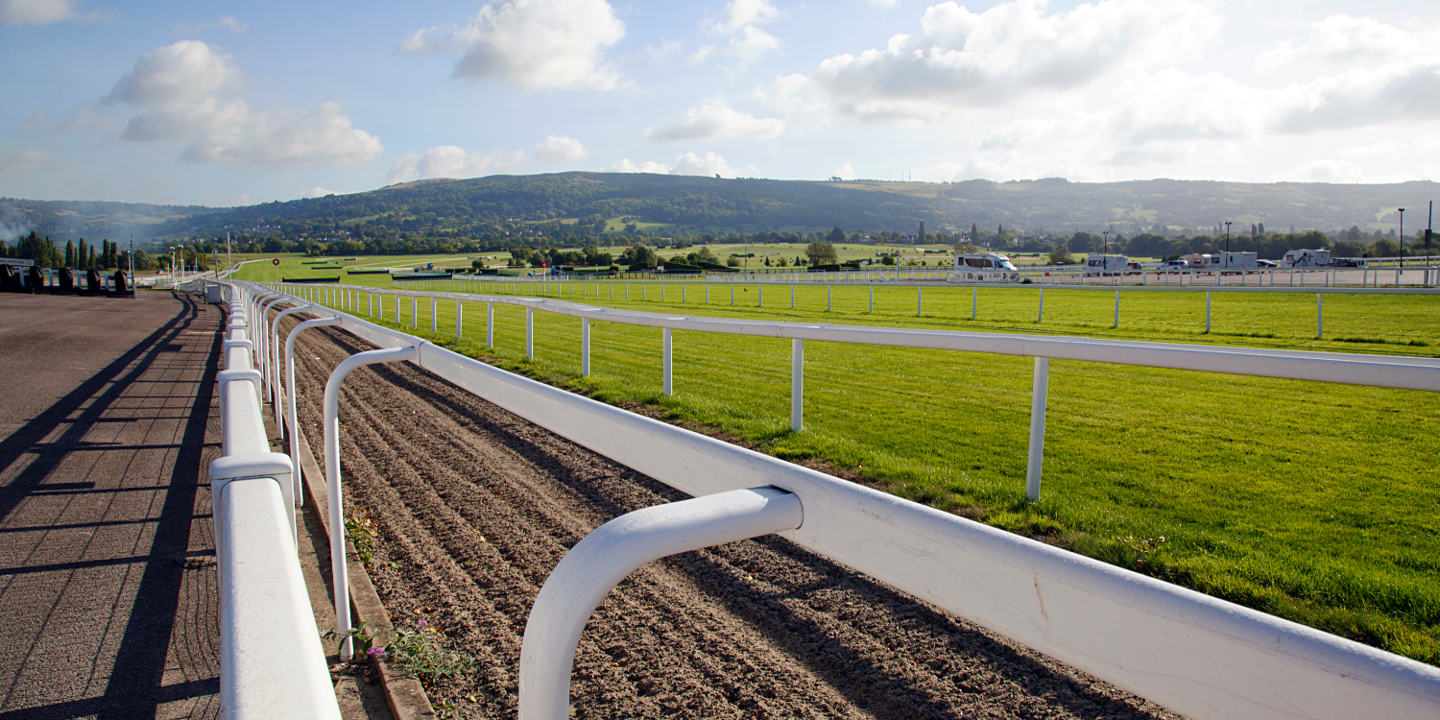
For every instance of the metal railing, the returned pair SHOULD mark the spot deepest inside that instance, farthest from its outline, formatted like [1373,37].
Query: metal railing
[1197,655]
[271,661]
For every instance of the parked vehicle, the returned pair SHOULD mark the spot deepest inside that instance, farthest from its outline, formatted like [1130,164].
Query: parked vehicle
[1265,263]
[984,267]
[1222,261]
[1306,259]
[1106,264]
[1173,266]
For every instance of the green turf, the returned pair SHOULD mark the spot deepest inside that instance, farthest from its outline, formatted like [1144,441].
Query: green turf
[1307,500]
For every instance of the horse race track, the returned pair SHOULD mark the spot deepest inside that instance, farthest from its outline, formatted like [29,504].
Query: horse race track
[473,507]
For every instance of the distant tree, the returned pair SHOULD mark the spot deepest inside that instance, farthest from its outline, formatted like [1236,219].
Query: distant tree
[920,237]
[964,245]
[822,253]
[70,253]
[767,262]
[1384,247]
[1061,255]
[887,260]
[1354,234]
[836,236]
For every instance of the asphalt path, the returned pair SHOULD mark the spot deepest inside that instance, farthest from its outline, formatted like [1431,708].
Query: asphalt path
[108,592]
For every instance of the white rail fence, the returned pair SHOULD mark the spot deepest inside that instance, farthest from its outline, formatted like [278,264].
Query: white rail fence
[339,294]
[271,661]
[1194,654]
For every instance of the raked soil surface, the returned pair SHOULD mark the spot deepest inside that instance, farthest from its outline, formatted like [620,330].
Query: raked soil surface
[474,507]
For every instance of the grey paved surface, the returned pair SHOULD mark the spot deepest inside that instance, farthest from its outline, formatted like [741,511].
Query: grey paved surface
[108,604]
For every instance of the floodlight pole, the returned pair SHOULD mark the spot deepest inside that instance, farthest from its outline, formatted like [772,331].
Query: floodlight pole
[1402,238]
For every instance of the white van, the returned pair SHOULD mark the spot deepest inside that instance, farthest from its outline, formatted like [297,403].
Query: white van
[1306,259]
[984,267]
[1106,264]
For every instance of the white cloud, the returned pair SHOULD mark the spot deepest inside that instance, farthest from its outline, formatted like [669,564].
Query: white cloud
[963,60]
[532,44]
[802,102]
[452,161]
[649,166]
[740,13]
[1344,41]
[1324,170]
[22,161]
[846,171]
[180,89]
[316,192]
[235,26]
[186,70]
[1404,90]
[320,136]
[718,120]
[687,164]
[883,3]
[44,12]
[559,147]
[710,164]
[741,20]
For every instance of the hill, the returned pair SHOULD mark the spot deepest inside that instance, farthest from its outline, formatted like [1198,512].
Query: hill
[666,203]
[580,204]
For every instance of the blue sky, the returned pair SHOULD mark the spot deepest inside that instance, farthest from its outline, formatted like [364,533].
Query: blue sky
[234,103]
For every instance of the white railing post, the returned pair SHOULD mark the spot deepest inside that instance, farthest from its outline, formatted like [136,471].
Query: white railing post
[797,384]
[414,311]
[919,299]
[872,300]
[606,556]
[434,323]
[529,332]
[275,387]
[339,573]
[1319,316]
[459,319]
[668,374]
[792,297]
[290,410]
[1040,316]
[1207,312]
[584,347]
[489,324]
[829,296]
[1117,310]
[1038,392]
[974,300]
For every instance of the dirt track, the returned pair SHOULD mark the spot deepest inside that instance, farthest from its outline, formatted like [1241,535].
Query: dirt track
[475,506]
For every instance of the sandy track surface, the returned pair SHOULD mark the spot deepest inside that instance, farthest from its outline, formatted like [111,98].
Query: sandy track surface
[475,506]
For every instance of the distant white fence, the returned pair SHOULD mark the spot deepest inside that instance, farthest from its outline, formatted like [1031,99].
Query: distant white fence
[271,661]
[1194,654]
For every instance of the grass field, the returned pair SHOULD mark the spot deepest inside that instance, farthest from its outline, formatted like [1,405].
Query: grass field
[1311,501]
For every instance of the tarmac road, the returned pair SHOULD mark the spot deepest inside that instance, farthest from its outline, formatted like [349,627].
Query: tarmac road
[108,604]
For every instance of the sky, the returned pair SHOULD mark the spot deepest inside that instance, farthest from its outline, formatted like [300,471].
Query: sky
[229,103]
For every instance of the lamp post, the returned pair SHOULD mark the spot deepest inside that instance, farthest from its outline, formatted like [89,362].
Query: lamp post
[1227,244]
[1402,237]
[1105,246]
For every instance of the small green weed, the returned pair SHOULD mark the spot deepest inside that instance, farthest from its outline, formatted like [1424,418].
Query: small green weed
[361,530]
[420,652]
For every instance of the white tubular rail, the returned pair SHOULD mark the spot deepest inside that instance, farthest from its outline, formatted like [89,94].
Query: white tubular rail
[339,571]
[271,661]
[1194,654]
[614,550]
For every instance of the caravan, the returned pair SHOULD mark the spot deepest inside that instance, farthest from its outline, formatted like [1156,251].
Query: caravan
[984,267]
[1106,265]
[1306,259]
[1227,262]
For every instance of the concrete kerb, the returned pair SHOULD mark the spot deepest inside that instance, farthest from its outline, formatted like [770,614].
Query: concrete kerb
[404,693]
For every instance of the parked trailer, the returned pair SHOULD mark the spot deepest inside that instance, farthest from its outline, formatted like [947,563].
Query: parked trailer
[1306,259]
[984,267]
[1226,261]
[1106,265]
